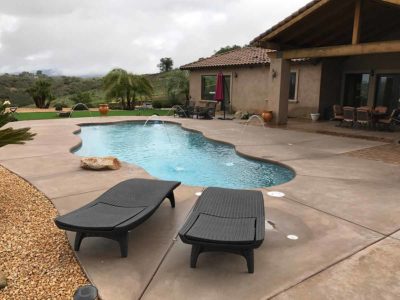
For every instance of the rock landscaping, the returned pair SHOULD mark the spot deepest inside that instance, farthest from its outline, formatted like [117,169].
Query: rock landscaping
[35,257]
[100,163]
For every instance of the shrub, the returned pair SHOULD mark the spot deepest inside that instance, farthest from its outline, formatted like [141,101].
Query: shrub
[85,98]
[58,107]
[115,105]
[157,104]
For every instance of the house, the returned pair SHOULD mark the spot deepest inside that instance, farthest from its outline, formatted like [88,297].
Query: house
[328,52]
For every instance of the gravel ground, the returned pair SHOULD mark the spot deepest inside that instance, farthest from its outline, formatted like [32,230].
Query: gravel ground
[35,256]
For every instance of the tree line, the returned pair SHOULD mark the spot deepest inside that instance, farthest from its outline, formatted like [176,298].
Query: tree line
[117,86]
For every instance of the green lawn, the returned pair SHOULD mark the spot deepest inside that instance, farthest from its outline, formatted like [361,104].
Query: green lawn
[81,114]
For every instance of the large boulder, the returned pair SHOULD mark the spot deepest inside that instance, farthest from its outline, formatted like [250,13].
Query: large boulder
[100,163]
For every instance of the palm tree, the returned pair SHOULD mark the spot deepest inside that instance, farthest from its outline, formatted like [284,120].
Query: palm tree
[40,92]
[10,135]
[178,84]
[141,87]
[118,83]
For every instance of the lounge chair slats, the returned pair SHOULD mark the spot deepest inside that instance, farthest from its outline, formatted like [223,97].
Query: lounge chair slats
[110,215]
[227,230]
[118,210]
[226,220]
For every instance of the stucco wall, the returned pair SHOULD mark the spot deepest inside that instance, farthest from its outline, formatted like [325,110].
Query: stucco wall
[249,87]
[249,90]
[308,90]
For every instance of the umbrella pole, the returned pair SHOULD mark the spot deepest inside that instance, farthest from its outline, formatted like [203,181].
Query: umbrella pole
[224,109]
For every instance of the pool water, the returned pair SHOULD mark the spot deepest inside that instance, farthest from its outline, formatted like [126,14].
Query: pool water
[169,152]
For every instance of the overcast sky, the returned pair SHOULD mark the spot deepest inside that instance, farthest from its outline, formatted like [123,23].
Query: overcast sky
[82,37]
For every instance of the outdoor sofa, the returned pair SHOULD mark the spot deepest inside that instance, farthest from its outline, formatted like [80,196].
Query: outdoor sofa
[226,220]
[118,210]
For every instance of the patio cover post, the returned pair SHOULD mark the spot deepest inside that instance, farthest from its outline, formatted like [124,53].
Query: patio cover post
[278,100]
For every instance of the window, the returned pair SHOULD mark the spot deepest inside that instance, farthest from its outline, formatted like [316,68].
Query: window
[208,84]
[293,86]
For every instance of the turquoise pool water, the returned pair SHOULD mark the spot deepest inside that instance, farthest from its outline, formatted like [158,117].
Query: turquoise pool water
[169,152]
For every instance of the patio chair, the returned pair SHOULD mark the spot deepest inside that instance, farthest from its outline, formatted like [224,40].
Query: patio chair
[381,109]
[364,117]
[228,221]
[205,113]
[186,111]
[117,211]
[338,114]
[349,115]
[391,121]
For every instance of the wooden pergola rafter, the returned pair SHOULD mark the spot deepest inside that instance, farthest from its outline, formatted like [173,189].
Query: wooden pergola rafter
[356,33]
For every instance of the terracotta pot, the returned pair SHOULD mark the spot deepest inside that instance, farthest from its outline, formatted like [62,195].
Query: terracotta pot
[103,109]
[267,116]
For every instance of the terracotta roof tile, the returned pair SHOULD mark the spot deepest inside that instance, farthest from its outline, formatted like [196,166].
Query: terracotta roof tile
[238,57]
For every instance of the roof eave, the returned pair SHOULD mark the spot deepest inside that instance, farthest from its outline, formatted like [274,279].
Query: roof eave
[223,66]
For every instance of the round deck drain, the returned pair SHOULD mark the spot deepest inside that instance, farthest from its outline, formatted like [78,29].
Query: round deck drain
[292,237]
[276,194]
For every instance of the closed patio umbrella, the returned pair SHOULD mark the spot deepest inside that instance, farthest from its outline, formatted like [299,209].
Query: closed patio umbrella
[219,91]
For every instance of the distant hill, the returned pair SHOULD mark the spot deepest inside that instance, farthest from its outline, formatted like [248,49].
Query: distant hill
[13,86]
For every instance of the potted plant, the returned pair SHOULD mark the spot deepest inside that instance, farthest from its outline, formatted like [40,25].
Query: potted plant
[103,109]
[314,116]
[267,116]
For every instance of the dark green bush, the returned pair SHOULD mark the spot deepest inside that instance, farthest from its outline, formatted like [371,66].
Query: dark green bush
[157,104]
[115,105]
[58,107]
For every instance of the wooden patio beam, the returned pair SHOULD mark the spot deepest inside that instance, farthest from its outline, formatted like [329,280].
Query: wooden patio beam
[397,2]
[357,22]
[342,50]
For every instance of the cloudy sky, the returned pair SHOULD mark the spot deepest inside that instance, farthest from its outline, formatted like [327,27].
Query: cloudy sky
[83,37]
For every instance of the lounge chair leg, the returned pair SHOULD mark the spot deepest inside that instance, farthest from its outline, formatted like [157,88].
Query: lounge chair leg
[78,240]
[249,255]
[123,244]
[196,250]
[171,198]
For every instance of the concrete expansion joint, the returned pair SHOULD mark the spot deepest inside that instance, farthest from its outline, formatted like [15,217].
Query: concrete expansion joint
[33,156]
[77,194]
[332,215]
[329,266]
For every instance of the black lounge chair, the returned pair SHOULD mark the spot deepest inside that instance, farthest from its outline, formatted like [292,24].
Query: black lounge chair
[228,221]
[117,211]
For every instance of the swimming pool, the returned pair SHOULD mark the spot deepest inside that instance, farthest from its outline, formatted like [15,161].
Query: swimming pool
[169,152]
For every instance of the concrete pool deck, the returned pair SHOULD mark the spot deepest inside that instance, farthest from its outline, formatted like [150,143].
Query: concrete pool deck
[345,211]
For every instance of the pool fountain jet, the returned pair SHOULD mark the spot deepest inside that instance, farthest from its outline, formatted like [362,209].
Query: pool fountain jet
[178,108]
[246,124]
[73,108]
[157,118]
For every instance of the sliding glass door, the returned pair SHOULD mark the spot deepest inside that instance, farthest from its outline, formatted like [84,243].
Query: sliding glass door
[356,90]
[388,91]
